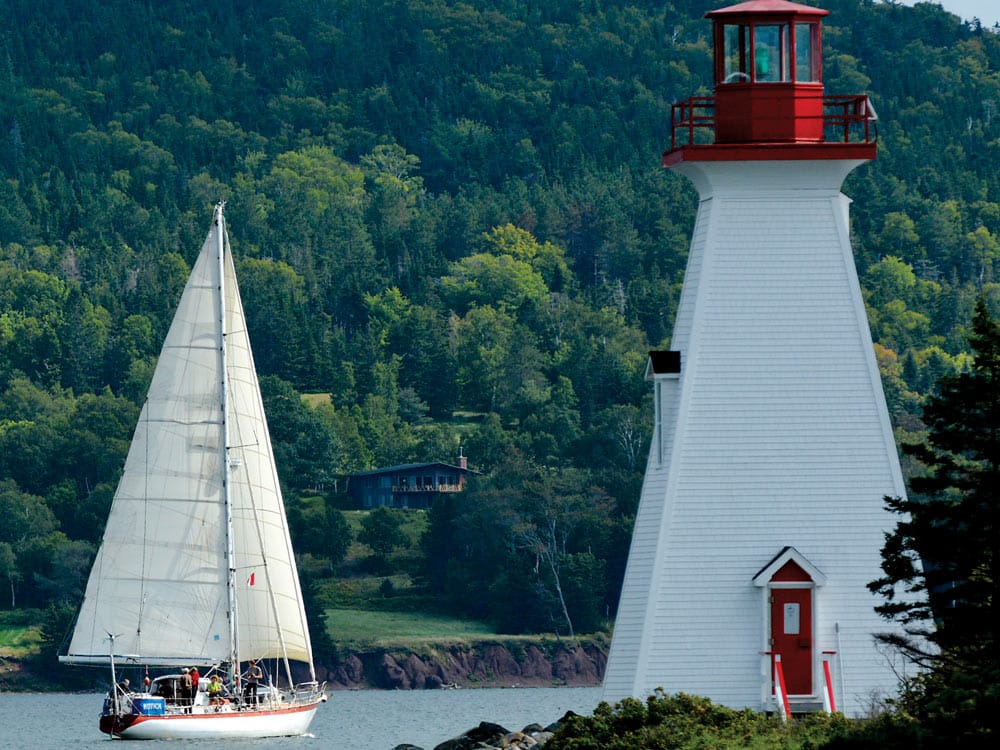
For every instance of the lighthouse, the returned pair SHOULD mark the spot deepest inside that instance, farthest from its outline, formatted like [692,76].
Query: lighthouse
[761,518]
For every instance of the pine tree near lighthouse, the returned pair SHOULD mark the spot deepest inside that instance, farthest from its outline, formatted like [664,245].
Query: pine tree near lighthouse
[941,562]
[761,518]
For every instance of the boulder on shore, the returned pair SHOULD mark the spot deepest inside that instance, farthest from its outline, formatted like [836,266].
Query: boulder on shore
[489,736]
[487,733]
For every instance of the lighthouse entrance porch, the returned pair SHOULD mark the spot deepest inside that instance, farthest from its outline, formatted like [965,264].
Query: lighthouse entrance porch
[789,658]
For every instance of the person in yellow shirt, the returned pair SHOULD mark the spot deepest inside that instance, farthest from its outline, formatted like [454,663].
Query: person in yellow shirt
[216,692]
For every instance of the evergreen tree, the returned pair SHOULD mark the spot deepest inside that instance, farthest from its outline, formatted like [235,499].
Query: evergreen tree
[940,562]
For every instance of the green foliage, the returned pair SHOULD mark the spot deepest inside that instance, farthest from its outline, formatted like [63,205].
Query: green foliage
[941,562]
[678,721]
[57,622]
[685,722]
[382,531]
[303,447]
[25,516]
[533,544]
[949,522]
[323,646]
[318,528]
[435,208]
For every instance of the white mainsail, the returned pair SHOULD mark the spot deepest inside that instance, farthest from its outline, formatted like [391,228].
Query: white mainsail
[160,582]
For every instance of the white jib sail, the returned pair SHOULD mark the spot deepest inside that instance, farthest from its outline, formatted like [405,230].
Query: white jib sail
[271,618]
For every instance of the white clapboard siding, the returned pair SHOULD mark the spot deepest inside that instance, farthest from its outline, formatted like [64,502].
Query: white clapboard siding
[775,435]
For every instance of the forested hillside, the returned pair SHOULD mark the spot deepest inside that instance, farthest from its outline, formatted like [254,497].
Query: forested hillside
[449,216]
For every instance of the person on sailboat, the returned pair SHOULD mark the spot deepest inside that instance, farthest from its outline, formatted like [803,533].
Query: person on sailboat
[195,682]
[186,693]
[217,692]
[254,676]
[123,686]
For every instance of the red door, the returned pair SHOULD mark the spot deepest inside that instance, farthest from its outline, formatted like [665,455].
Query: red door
[791,637]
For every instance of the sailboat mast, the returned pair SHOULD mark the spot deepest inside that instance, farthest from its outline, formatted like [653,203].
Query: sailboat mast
[227,498]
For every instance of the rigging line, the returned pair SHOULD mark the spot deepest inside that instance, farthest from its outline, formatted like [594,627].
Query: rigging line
[267,579]
[254,444]
[145,535]
[260,414]
[209,635]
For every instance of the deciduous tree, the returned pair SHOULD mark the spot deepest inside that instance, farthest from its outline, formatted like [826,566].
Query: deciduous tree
[381,530]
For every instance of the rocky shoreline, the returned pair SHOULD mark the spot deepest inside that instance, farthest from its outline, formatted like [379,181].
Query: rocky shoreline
[489,736]
[483,664]
[494,663]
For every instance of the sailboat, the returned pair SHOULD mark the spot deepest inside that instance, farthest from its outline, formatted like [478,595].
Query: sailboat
[196,567]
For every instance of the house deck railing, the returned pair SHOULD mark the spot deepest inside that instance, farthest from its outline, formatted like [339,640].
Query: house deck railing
[399,489]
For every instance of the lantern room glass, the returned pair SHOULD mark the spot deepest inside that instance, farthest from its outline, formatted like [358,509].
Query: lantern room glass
[806,47]
[770,53]
[736,43]
[763,52]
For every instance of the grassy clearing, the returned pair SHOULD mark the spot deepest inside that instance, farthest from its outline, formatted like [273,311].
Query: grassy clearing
[358,627]
[20,641]
[468,416]
[414,522]
[364,592]
[315,399]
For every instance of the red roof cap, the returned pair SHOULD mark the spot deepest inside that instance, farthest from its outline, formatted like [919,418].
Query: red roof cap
[768,7]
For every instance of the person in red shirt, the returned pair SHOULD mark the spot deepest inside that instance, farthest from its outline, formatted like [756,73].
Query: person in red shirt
[195,677]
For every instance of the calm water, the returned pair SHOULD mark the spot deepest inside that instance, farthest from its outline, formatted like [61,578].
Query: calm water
[355,720]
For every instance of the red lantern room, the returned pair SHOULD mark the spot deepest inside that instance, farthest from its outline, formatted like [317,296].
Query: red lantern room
[769,92]
[768,83]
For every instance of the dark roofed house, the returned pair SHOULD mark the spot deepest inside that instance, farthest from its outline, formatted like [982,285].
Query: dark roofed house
[407,485]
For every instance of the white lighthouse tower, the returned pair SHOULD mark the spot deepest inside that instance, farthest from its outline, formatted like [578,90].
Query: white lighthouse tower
[761,518]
